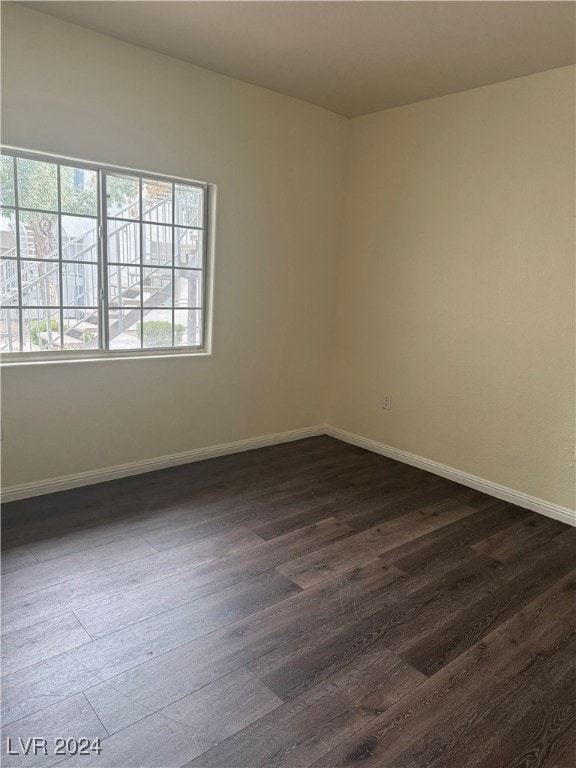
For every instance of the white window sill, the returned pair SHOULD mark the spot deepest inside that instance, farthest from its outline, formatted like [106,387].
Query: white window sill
[49,359]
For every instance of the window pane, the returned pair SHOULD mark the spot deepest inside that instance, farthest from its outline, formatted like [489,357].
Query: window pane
[157,328]
[124,328]
[6,180]
[78,190]
[38,235]
[188,202]
[157,201]
[187,328]
[7,234]
[123,196]
[40,283]
[9,283]
[80,328]
[51,274]
[157,244]
[123,242]
[41,330]
[79,239]
[188,288]
[157,287]
[80,285]
[9,331]
[188,247]
[37,184]
[124,286]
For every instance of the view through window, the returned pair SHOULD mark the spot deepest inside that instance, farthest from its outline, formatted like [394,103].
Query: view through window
[97,260]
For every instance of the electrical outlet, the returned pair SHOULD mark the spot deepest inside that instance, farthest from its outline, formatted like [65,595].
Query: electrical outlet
[387,402]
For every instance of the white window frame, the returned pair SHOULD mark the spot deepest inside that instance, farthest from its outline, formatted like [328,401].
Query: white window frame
[103,352]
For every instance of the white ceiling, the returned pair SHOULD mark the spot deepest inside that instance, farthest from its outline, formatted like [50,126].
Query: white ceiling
[350,57]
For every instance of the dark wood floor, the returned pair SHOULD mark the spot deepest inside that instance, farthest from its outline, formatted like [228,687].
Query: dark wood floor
[308,604]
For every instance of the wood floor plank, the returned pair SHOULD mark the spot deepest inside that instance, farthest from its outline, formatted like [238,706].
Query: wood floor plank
[428,607]
[328,561]
[114,579]
[541,735]
[312,657]
[19,557]
[422,521]
[73,717]
[438,546]
[16,584]
[476,620]
[41,685]
[221,709]
[302,730]
[138,605]
[163,498]
[568,757]
[524,538]
[71,543]
[43,641]
[327,495]
[401,493]
[154,742]
[567,537]
[526,641]
[231,508]
[242,511]
[135,644]
[392,503]
[177,673]
[117,609]
[190,527]
[290,517]
[114,710]
[86,525]
[435,596]
[482,725]
[478,734]
[323,563]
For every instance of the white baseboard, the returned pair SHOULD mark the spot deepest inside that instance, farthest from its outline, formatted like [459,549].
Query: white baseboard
[564,514]
[26,490]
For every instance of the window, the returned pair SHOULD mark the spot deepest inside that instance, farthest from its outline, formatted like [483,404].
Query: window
[98,262]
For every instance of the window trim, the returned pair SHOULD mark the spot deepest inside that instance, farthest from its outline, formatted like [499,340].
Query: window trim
[11,359]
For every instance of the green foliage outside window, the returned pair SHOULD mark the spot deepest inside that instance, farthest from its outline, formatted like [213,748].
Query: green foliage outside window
[158,333]
[40,327]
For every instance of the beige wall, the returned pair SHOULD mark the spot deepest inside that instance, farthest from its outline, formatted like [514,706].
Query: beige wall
[457,283]
[455,257]
[278,166]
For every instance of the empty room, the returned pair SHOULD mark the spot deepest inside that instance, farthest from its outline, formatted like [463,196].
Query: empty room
[288,384]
